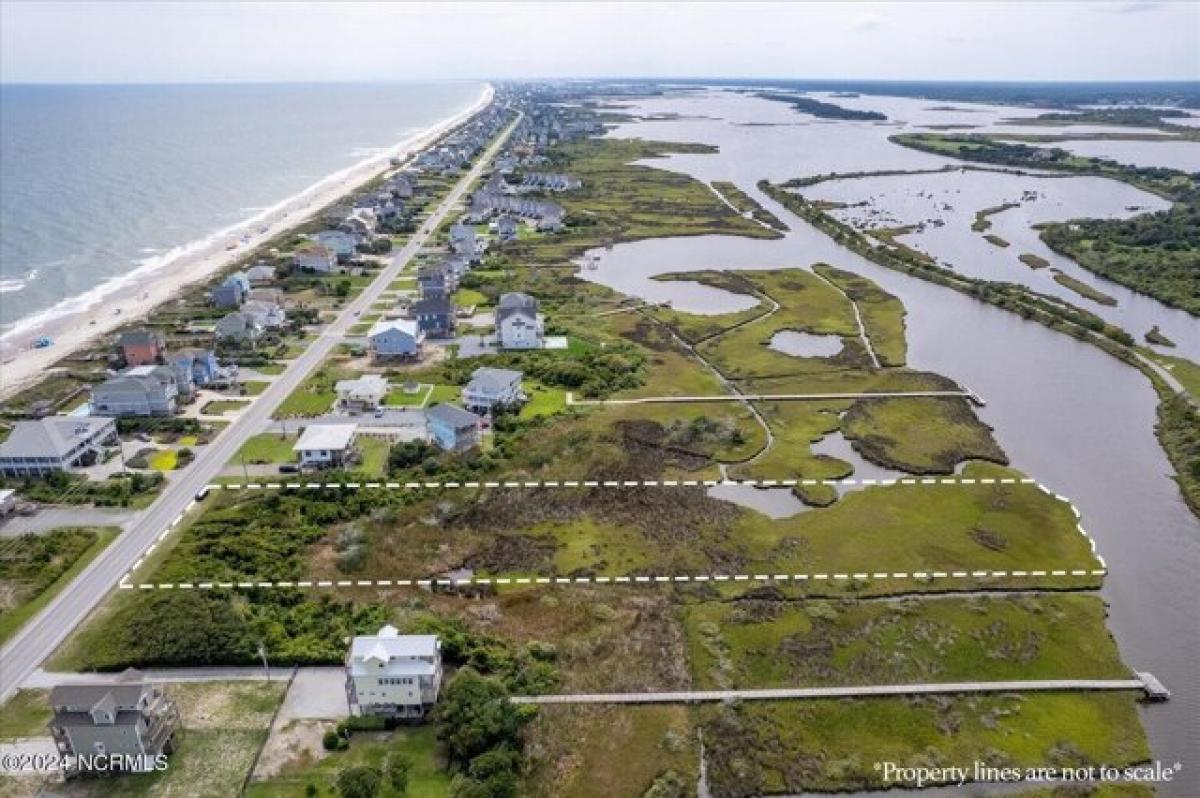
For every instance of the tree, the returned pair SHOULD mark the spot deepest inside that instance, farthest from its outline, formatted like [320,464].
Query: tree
[358,782]
[476,717]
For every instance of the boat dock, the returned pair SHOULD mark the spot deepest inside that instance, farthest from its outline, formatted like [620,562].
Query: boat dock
[1152,689]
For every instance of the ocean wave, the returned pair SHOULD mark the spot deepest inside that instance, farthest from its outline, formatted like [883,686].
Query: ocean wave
[148,266]
[13,285]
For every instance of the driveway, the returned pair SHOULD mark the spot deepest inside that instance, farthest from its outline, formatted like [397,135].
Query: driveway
[398,419]
[47,518]
[315,694]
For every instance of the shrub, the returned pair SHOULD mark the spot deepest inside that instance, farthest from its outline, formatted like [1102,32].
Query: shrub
[358,782]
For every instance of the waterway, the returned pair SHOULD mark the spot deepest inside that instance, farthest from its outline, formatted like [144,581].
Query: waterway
[1074,418]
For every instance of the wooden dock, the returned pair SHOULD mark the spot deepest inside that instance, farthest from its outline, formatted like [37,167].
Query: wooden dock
[1144,682]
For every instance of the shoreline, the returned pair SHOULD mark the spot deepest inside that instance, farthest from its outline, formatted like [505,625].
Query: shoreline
[133,296]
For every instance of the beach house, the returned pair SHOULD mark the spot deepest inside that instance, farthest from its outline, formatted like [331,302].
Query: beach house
[140,347]
[232,292]
[314,257]
[364,393]
[268,314]
[492,388]
[55,443]
[396,338]
[451,428]
[139,391]
[261,274]
[123,724]
[326,445]
[197,366]
[436,281]
[238,327]
[435,317]
[393,675]
[343,244]
[518,324]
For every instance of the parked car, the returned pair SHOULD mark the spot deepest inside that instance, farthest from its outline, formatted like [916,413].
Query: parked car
[289,468]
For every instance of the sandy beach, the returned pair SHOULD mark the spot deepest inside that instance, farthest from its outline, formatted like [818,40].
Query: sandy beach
[137,299]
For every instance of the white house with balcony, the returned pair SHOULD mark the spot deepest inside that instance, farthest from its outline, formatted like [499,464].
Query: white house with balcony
[392,674]
[326,445]
[518,323]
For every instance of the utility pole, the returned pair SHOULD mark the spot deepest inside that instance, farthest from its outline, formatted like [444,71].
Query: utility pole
[262,652]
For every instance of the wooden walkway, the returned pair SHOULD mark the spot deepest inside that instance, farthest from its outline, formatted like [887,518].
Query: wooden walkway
[1144,682]
[776,397]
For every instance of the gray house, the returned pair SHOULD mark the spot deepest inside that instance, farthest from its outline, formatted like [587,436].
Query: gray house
[55,443]
[400,338]
[343,244]
[238,326]
[491,388]
[139,391]
[435,317]
[435,281]
[125,718]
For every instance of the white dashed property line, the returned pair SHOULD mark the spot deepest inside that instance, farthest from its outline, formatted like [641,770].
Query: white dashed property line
[127,584]
[630,483]
[640,579]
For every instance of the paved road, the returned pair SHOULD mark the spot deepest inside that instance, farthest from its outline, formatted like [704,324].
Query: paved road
[693,696]
[43,633]
[52,517]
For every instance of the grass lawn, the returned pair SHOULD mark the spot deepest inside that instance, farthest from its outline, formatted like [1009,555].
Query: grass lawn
[222,406]
[444,393]
[374,455]
[34,569]
[271,369]
[254,387]
[465,297]
[316,396]
[544,402]
[267,447]
[426,779]
[164,460]
[25,715]
[398,398]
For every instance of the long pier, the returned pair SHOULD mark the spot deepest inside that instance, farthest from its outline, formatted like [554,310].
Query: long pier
[971,396]
[1144,682]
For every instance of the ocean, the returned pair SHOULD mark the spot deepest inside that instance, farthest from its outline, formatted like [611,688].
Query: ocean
[102,185]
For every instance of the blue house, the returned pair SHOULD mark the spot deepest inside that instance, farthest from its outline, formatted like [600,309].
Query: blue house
[232,292]
[198,367]
[451,428]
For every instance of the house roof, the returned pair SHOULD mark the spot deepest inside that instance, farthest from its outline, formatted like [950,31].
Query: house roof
[367,383]
[490,379]
[392,653]
[319,250]
[125,690]
[437,306]
[140,338]
[52,436]
[406,326]
[452,416]
[326,436]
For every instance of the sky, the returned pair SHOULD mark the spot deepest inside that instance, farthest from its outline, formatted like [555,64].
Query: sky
[169,42]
